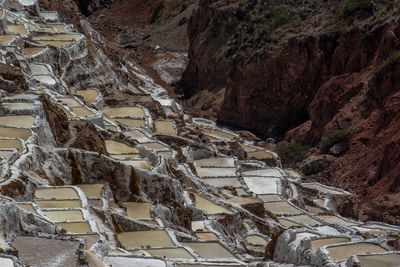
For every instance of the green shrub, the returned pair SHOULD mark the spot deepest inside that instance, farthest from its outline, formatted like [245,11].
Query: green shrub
[389,63]
[334,138]
[291,153]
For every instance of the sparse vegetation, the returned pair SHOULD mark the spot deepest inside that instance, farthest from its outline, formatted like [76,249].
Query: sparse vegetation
[389,63]
[291,153]
[351,7]
[334,138]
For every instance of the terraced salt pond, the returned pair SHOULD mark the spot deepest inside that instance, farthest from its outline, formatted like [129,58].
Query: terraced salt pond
[223,182]
[288,224]
[31,51]
[342,252]
[209,250]
[281,208]
[207,236]
[170,253]
[136,210]
[17,29]
[82,112]
[316,244]
[59,253]
[64,215]
[216,172]
[23,121]
[10,144]
[28,207]
[215,162]
[89,96]
[138,135]
[383,260]
[256,240]
[165,127]
[263,173]
[305,219]
[145,238]
[135,112]
[57,37]
[208,206]
[70,102]
[263,185]
[76,227]
[261,154]
[142,164]
[6,39]
[57,193]
[53,204]
[17,106]
[114,147]
[335,219]
[130,122]
[55,43]
[91,190]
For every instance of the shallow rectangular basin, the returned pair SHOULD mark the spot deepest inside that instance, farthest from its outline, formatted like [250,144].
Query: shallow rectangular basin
[136,210]
[170,253]
[209,250]
[82,112]
[281,208]
[342,252]
[216,172]
[223,182]
[114,147]
[209,206]
[135,112]
[76,227]
[215,162]
[52,204]
[263,185]
[145,238]
[64,215]
[91,190]
[130,122]
[23,121]
[316,244]
[57,193]
[165,127]
[89,96]
[11,143]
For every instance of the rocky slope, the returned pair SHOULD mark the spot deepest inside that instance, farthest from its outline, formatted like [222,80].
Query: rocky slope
[307,70]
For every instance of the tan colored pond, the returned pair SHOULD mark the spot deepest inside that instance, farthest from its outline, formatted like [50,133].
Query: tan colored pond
[6,39]
[49,29]
[82,112]
[261,154]
[11,143]
[52,204]
[57,37]
[130,122]
[208,236]
[145,238]
[301,236]
[209,206]
[316,244]
[32,27]
[340,253]
[55,43]
[57,193]
[136,210]
[142,164]
[288,224]
[165,127]
[223,182]
[170,253]
[138,135]
[215,162]
[209,250]
[256,240]
[281,208]
[167,154]
[216,172]
[114,147]
[384,260]
[125,112]
[59,27]
[306,220]
[30,51]
[28,207]
[218,133]
[17,29]
[70,102]
[76,227]
[91,190]
[95,203]
[64,215]
[335,219]
[126,156]
[88,95]
[23,121]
